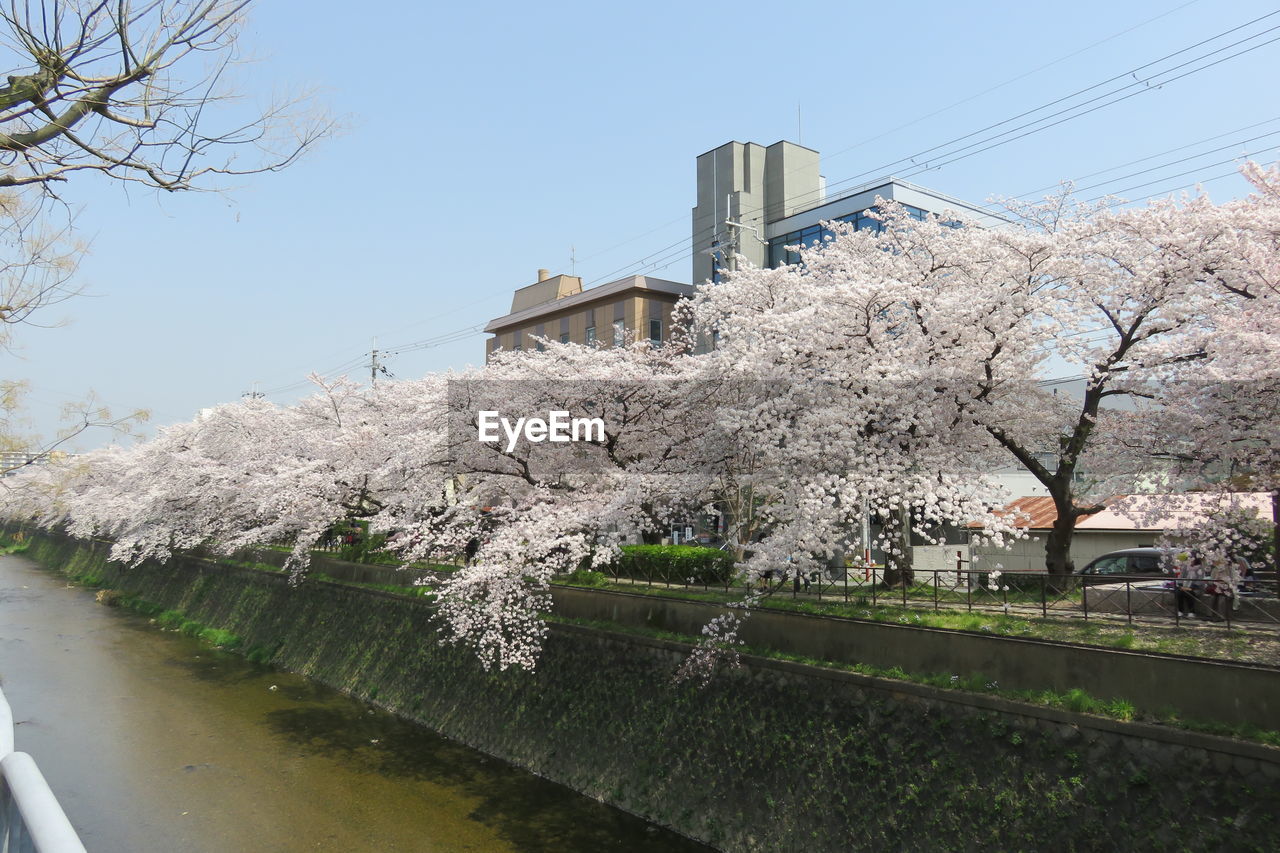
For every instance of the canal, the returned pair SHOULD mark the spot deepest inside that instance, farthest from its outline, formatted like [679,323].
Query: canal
[153,742]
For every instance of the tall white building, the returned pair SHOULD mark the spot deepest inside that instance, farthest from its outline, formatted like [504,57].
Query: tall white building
[755,201]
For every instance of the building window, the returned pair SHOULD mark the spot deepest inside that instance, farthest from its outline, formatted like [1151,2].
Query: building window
[591,334]
[564,337]
[619,332]
[541,347]
[655,331]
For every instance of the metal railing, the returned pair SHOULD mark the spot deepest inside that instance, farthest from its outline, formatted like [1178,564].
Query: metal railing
[31,820]
[1024,594]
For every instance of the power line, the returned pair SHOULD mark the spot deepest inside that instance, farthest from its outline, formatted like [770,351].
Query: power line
[1133,72]
[1034,130]
[1200,181]
[1140,85]
[644,262]
[1213,138]
[682,249]
[1022,76]
[378,368]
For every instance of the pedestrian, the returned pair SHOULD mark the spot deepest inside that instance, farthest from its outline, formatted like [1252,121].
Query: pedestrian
[1245,578]
[1190,573]
[1223,580]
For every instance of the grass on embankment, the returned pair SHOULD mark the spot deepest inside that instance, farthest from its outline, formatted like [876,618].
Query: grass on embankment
[1192,640]
[1077,700]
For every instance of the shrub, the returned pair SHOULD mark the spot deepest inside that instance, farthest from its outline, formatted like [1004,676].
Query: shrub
[675,564]
[585,577]
[109,597]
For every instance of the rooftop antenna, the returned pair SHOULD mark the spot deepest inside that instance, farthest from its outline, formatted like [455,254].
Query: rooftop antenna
[573,261]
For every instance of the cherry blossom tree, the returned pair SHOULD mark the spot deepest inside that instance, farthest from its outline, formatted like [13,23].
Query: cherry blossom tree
[890,374]
[932,340]
[528,510]
[407,456]
[845,429]
[1215,420]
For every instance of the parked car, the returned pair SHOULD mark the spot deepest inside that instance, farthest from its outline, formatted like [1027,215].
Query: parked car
[1131,561]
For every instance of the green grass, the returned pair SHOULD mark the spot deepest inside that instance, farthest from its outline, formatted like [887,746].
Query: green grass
[1075,699]
[1105,633]
[176,620]
[410,590]
[252,564]
[8,546]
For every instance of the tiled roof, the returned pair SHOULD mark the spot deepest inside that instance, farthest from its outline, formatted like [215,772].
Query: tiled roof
[602,291]
[1038,513]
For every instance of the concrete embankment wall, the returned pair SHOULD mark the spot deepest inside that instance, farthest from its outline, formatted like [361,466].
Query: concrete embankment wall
[773,756]
[1198,689]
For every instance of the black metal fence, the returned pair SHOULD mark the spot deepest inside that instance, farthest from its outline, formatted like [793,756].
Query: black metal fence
[1025,594]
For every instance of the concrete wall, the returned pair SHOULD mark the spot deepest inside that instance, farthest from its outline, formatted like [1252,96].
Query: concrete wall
[1204,690]
[1199,689]
[773,756]
[1027,555]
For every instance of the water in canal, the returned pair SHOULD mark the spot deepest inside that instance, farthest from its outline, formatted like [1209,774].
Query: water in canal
[153,742]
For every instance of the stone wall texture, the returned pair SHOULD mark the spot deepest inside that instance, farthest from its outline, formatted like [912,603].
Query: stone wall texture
[772,756]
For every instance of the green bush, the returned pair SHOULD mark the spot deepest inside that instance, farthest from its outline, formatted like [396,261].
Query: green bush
[585,577]
[675,564]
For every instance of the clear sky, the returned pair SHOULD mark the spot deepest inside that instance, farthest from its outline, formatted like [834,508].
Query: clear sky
[483,141]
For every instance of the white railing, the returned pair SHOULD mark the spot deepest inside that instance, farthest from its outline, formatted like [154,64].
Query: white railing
[31,821]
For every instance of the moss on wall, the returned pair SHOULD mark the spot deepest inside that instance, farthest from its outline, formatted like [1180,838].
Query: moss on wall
[770,757]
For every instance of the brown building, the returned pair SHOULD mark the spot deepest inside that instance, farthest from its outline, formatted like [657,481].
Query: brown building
[557,308]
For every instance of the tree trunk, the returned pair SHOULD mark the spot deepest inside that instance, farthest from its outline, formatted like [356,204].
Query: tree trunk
[898,566]
[652,533]
[1057,547]
[1275,535]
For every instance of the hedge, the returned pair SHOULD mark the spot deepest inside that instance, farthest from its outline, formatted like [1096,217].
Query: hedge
[674,564]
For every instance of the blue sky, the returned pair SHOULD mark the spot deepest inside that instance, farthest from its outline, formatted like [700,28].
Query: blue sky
[483,141]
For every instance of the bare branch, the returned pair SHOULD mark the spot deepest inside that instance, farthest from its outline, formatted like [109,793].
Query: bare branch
[121,88]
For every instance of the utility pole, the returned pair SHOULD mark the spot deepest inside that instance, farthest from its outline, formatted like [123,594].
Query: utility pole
[735,239]
[375,367]
[731,245]
[255,394]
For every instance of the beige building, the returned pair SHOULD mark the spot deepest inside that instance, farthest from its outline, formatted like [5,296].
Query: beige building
[558,309]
